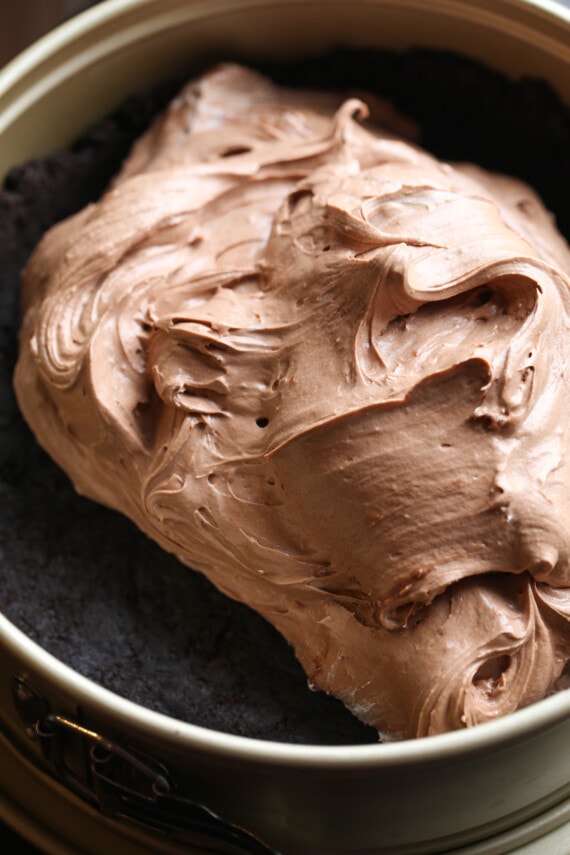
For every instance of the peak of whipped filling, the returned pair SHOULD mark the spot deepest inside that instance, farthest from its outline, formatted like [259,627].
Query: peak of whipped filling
[329,372]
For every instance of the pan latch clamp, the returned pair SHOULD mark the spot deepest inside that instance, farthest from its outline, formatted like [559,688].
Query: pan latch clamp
[124,783]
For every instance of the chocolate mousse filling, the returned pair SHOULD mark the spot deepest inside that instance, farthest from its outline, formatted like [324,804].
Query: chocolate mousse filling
[413,489]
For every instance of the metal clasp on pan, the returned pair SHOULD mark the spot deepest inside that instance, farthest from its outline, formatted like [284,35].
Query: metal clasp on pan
[122,783]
